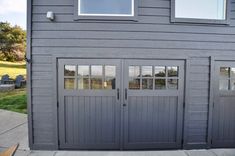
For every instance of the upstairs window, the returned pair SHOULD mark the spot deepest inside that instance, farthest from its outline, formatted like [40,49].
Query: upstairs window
[202,11]
[105,7]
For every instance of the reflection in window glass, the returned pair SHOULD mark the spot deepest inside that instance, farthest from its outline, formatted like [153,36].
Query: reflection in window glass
[147,84]
[106,7]
[83,71]
[224,72]
[134,83]
[110,71]
[69,83]
[109,83]
[69,70]
[134,71]
[110,77]
[160,71]
[147,71]
[172,71]
[172,83]
[209,9]
[96,83]
[160,84]
[232,84]
[83,83]
[224,84]
[96,71]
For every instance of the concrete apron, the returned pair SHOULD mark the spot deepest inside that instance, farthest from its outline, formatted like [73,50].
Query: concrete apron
[212,152]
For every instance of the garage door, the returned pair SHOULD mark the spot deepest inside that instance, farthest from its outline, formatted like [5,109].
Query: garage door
[89,104]
[120,104]
[224,105]
[154,104]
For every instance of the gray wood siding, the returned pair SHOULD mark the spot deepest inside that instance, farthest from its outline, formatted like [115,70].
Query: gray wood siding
[198,100]
[153,36]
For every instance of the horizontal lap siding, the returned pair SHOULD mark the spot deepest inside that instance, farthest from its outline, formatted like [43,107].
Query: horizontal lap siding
[152,36]
[198,100]
[42,95]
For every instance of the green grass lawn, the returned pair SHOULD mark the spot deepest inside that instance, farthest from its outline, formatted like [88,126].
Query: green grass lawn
[14,101]
[12,69]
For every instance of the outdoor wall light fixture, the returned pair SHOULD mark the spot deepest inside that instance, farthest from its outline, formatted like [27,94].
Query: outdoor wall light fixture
[50,15]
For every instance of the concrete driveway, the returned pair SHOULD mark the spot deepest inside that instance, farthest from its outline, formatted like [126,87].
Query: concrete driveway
[13,129]
[214,152]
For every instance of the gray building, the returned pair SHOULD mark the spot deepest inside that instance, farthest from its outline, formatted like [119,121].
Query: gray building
[131,74]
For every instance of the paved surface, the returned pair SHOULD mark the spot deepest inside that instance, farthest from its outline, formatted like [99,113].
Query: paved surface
[214,152]
[13,129]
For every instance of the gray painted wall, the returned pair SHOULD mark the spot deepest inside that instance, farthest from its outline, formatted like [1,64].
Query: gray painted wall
[153,36]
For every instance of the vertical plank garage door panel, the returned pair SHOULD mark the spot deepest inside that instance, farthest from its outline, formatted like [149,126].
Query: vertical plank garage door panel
[151,97]
[152,118]
[154,111]
[89,113]
[224,105]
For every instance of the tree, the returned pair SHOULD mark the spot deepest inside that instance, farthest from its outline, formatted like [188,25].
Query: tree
[12,42]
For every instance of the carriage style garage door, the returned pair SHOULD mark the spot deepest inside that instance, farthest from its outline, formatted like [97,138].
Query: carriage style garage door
[224,105]
[120,104]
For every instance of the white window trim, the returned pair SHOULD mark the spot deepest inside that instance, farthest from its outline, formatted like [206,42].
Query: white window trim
[123,15]
[206,18]
[226,21]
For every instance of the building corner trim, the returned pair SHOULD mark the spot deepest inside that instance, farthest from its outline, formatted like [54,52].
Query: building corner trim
[29,74]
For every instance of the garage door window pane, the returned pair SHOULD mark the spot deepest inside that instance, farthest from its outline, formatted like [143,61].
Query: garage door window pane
[83,71]
[224,84]
[106,7]
[110,77]
[96,83]
[232,72]
[147,84]
[147,71]
[69,70]
[96,71]
[83,83]
[109,83]
[69,83]
[110,71]
[160,84]
[232,84]
[172,84]
[134,83]
[172,71]
[134,71]
[224,72]
[160,71]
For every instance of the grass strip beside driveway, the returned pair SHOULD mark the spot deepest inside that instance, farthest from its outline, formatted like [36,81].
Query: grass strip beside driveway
[14,101]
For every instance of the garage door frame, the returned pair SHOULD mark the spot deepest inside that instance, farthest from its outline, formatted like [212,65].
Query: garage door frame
[56,57]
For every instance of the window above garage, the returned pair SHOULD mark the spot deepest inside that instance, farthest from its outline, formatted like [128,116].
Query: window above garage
[200,11]
[106,9]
